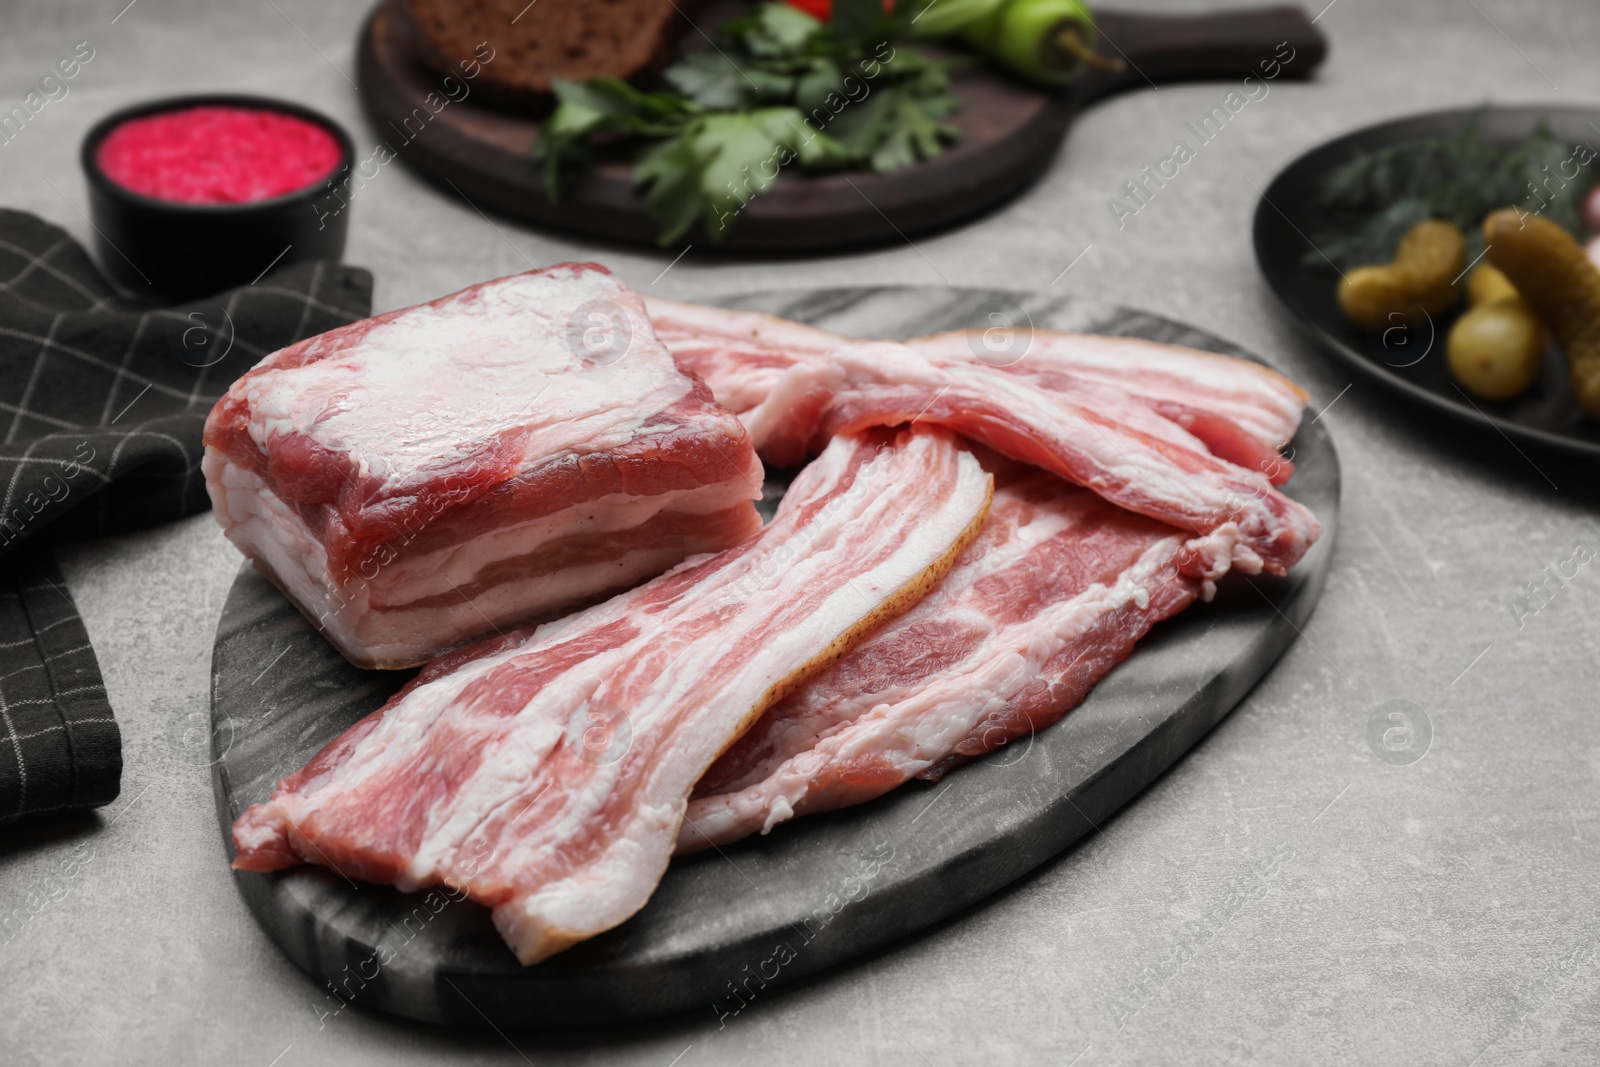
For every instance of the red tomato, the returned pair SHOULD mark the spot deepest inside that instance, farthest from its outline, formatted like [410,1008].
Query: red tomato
[817,9]
[823,9]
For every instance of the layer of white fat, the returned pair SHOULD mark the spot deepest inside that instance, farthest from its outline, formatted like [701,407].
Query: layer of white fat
[736,385]
[431,388]
[912,733]
[1150,483]
[272,534]
[707,324]
[601,894]
[822,557]
[1259,400]
[891,364]
[728,348]
[413,576]
[818,712]
[856,365]
[358,616]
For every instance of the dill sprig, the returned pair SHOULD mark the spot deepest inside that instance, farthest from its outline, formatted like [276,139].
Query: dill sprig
[1459,178]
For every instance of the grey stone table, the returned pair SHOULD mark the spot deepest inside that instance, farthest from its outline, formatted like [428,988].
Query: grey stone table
[1284,895]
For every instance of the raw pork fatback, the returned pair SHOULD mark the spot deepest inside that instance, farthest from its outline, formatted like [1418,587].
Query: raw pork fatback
[546,773]
[428,476]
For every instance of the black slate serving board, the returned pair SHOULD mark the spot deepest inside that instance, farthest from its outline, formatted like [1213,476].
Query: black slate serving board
[728,928]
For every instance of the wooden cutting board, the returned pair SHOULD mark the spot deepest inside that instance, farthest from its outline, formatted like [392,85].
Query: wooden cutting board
[826,888]
[1009,134]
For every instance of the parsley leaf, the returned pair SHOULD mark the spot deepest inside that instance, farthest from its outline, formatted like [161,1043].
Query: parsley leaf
[777,88]
[601,106]
[898,125]
[718,162]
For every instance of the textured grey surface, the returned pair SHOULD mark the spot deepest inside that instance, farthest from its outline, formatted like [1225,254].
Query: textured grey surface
[1284,895]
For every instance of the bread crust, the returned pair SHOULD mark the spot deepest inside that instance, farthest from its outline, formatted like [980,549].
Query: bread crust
[534,43]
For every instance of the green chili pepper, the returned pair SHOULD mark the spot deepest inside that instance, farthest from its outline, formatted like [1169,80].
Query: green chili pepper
[1045,41]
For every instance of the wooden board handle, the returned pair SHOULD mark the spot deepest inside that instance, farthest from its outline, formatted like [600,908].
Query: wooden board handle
[1223,45]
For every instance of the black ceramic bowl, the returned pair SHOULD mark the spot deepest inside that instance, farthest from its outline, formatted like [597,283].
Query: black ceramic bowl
[179,250]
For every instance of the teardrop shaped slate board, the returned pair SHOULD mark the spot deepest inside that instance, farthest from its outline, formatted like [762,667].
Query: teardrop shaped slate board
[1008,133]
[817,891]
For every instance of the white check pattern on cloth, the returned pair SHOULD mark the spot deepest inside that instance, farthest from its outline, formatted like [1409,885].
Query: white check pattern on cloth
[59,744]
[103,398]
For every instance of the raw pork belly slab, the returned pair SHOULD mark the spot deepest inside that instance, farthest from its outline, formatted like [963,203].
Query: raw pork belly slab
[428,476]
[1051,596]
[1095,436]
[546,773]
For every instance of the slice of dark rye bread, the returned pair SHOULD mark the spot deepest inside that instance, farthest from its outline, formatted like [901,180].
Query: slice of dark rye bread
[535,42]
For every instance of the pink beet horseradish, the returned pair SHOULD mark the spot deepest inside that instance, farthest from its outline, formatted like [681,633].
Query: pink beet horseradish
[218,155]
[193,195]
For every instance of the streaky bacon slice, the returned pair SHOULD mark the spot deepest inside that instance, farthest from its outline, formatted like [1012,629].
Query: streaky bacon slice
[1096,436]
[739,354]
[1051,596]
[418,479]
[1243,411]
[546,773]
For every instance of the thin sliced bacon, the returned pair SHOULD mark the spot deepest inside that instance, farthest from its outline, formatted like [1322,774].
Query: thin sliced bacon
[1244,412]
[739,354]
[1052,595]
[546,774]
[1096,436]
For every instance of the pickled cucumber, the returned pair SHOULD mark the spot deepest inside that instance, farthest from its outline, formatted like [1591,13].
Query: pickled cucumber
[1552,272]
[1420,281]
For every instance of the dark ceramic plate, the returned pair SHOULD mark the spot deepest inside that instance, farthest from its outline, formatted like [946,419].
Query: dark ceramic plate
[724,927]
[1412,363]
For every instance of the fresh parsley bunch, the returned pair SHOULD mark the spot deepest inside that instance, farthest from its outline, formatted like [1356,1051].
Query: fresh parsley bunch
[777,88]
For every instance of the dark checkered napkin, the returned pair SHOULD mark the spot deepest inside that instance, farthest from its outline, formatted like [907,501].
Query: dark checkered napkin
[102,403]
[59,745]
